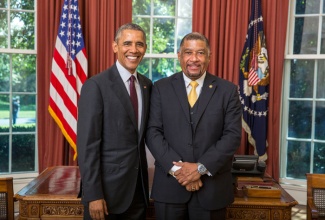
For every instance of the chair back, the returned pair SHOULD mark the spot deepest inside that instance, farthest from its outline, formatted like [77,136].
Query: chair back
[315,196]
[6,198]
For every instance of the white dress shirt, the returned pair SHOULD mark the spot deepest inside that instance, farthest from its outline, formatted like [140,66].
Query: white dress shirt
[187,82]
[125,75]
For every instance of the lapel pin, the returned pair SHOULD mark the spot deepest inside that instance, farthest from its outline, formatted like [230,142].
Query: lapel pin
[144,87]
[210,86]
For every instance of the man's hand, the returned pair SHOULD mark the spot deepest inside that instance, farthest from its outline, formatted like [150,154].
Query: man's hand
[187,173]
[97,209]
[194,186]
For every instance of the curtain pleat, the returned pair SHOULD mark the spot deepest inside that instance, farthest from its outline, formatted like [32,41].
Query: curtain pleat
[225,24]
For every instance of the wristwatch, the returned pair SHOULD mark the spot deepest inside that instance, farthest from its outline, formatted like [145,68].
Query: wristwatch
[201,169]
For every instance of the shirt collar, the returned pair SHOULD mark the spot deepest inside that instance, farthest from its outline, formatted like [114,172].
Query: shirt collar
[124,73]
[199,80]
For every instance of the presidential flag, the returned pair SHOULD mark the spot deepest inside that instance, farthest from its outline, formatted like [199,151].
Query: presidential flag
[254,82]
[69,72]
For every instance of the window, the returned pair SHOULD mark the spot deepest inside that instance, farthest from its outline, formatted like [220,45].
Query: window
[303,118]
[165,22]
[18,152]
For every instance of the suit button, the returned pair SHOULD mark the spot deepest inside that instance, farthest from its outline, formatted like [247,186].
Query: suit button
[191,113]
[136,168]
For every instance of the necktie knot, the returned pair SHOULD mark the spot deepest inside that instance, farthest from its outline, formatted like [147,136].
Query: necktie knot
[192,96]
[194,84]
[132,79]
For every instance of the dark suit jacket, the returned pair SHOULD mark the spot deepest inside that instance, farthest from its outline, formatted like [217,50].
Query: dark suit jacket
[111,150]
[211,139]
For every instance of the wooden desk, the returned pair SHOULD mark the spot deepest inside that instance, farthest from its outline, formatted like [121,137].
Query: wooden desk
[53,195]
[261,208]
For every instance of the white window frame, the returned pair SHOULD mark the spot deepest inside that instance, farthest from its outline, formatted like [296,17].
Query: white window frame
[149,54]
[296,187]
[21,177]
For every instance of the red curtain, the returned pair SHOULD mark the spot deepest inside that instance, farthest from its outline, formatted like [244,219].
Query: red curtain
[99,20]
[225,24]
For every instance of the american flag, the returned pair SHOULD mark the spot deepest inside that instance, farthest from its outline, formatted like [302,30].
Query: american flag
[69,72]
[253,78]
[254,82]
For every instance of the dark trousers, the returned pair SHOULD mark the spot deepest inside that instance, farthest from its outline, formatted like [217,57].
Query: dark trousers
[136,211]
[191,210]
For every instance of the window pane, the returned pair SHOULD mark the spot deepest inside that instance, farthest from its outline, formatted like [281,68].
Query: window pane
[24,73]
[23,152]
[22,30]
[298,159]
[305,35]
[302,78]
[161,68]
[166,7]
[3,29]
[22,4]
[300,127]
[178,66]
[322,49]
[145,24]
[4,113]
[320,121]
[319,158]
[184,27]
[320,90]
[185,8]
[4,72]
[143,67]
[25,116]
[4,152]
[140,7]
[307,7]
[3,4]
[163,35]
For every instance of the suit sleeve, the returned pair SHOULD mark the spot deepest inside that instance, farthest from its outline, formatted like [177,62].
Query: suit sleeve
[221,152]
[156,142]
[89,127]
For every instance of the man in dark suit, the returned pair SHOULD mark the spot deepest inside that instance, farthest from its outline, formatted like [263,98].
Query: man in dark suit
[112,119]
[193,141]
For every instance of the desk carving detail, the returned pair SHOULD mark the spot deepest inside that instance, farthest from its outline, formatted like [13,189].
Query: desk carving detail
[62,210]
[247,214]
[258,214]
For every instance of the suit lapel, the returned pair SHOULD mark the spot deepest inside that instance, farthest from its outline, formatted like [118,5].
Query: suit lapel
[208,89]
[145,102]
[119,88]
[180,92]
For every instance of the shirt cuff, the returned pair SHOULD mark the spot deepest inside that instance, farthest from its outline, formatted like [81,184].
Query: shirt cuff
[174,169]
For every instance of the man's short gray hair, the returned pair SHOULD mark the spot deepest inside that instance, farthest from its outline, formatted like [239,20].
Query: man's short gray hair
[196,36]
[129,26]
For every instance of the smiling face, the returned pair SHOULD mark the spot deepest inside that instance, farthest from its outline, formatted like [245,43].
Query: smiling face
[130,49]
[194,58]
